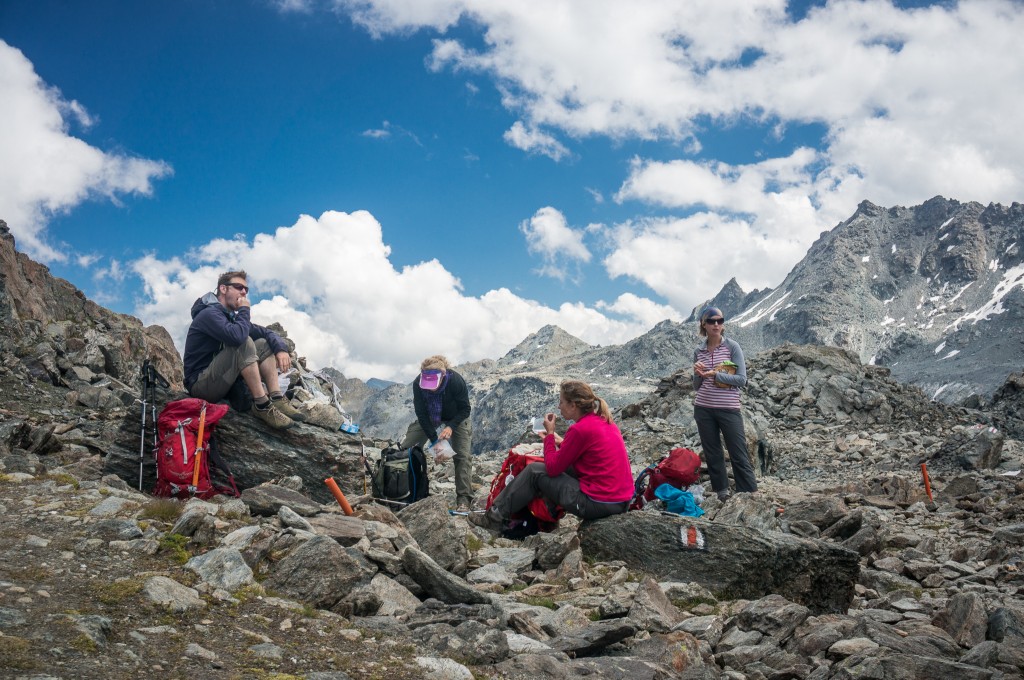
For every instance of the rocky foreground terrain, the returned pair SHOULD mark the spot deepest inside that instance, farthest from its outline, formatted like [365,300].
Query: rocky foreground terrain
[840,567]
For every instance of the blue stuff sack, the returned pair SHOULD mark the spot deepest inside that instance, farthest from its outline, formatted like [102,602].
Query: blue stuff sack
[678,501]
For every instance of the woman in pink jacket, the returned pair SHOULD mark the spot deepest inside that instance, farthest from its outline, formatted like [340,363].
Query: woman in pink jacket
[587,472]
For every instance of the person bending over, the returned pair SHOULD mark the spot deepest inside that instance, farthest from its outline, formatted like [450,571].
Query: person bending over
[440,398]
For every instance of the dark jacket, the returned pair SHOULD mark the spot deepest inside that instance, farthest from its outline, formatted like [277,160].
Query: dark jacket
[454,404]
[214,328]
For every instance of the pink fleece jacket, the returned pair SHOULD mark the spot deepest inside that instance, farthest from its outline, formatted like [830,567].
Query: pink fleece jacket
[596,452]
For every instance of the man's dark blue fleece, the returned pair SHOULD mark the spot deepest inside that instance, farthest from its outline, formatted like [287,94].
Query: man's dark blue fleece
[213,328]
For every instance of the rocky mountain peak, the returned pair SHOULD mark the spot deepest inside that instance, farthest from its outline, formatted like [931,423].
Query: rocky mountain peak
[547,344]
[934,291]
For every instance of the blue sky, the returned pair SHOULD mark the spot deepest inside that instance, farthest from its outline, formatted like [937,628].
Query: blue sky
[403,177]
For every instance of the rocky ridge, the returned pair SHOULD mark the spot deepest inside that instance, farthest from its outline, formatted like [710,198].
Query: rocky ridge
[935,292]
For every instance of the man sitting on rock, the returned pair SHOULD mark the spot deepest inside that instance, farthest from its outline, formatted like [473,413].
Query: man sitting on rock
[223,344]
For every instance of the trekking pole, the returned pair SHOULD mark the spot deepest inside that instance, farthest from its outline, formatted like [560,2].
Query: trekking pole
[150,379]
[142,437]
[366,465]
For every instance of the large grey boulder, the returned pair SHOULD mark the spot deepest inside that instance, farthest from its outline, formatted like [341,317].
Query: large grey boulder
[734,562]
[964,618]
[222,568]
[593,638]
[651,609]
[268,499]
[437,581]
[1006,624]
[320,572]
[257,453]
[890,665]
[773,616]
[547,666]
[436,533]
[822,511]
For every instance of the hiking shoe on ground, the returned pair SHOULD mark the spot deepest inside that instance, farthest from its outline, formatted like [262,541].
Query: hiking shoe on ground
[724,496]
[489,519]
[272,417]
[285,407]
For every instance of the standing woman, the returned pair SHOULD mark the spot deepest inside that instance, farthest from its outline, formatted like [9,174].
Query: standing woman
[587,472]
[716,407]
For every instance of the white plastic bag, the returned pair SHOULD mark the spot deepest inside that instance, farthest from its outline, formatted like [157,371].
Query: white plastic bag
[442,450]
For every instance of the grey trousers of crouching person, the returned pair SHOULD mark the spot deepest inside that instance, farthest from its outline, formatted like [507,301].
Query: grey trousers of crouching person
[563,490]
[712,425]
[462,444]
[216,380]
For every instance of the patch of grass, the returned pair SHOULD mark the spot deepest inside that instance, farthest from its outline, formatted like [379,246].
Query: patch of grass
[247,593]
[162,509]
[541,601]
[168,619]
[86,644]
[309,611]
[516,587]
[34,573]
[175,545]
[688,603]
[62,478]
[594,615]
[16,653]
[118,591]
[6,479]
[473,542]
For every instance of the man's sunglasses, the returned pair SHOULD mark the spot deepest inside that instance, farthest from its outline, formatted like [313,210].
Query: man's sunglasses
[712,322]
[239,287]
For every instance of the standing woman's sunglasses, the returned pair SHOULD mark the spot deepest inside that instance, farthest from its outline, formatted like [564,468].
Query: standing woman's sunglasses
[716,321]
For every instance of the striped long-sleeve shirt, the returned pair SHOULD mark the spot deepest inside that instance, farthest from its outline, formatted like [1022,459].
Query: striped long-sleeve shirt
[708,394]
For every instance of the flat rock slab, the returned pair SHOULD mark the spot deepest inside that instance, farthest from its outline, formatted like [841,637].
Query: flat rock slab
[342,528]
[268,499]
[733,562]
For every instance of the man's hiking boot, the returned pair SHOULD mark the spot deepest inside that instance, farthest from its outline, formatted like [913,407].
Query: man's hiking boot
[272,417]
[488,519]
[285,407]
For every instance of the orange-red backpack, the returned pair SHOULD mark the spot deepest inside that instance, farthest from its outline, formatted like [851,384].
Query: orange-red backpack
[184,452]
[546,518]
[680,468]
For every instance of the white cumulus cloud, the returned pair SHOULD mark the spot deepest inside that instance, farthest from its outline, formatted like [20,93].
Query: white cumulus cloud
[911,103]
[560,246]
[45,169]
[331,283]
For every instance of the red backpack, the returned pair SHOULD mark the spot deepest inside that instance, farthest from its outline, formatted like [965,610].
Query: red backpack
[182,462]
[680,468]
[537,511]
